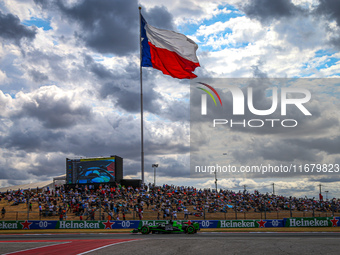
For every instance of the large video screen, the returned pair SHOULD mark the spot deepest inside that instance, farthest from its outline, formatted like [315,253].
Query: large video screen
[91,170]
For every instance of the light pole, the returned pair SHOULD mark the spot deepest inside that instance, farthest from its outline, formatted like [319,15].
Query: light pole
[224,154]
[215,182]
[154,174]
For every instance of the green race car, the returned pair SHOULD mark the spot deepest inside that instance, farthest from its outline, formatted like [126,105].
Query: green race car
[171,227]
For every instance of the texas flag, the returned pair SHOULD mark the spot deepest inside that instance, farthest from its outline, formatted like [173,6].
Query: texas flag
[172,53]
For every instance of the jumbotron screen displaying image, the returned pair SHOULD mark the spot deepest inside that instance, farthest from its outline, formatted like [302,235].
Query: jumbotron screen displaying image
[91,170]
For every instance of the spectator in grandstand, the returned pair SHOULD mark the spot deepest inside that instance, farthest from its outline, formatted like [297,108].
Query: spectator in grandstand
[166,200]
[3,212]
[186,213]
[175,214]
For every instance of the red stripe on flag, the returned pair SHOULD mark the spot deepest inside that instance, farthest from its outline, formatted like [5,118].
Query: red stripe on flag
[171,63]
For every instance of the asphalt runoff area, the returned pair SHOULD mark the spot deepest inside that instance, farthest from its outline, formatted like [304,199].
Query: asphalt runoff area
[200,243]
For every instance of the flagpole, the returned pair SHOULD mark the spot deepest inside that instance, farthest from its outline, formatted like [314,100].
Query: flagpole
[141,95]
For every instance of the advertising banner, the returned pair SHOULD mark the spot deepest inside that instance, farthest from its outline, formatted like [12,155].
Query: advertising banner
[131,224]
[312,222]
[250,224]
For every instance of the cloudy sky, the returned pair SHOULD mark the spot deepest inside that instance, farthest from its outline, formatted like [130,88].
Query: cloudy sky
[69,84]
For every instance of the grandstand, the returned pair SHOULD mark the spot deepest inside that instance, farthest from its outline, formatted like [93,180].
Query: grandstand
[117,202]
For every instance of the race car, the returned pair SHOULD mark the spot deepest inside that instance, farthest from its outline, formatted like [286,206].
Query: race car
[171,227]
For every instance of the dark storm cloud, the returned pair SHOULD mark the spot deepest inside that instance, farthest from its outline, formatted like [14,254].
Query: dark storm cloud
[56,64]
[330,179]
[330,9]
[326,144]
[12,175]
[54,111]
[23,136]
[109,26]
[287,152]
[177,111]
[267,10]
[11,29]
[284,151]
[168,167]
[159,17]
[153,102]
[164,146]
[43,165]
[106,26]
[124,87]
[257,73]
[173,168]
[37,76]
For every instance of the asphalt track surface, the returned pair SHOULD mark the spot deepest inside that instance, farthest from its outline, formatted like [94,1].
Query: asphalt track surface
[200,243]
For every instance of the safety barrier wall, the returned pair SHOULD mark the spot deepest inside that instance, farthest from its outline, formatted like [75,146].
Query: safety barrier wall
[131,224]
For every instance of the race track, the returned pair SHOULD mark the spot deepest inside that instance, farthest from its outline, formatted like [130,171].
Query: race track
[201,243]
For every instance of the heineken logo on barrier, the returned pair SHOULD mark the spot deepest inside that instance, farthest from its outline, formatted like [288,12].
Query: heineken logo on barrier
[308,223]
[237,224]
[8,225]
[312,222]
[79,225]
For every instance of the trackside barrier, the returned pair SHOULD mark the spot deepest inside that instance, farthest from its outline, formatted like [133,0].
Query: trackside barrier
[312,222]
[131,224]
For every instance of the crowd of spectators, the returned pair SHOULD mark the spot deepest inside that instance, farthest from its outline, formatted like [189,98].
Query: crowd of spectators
[167,201]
